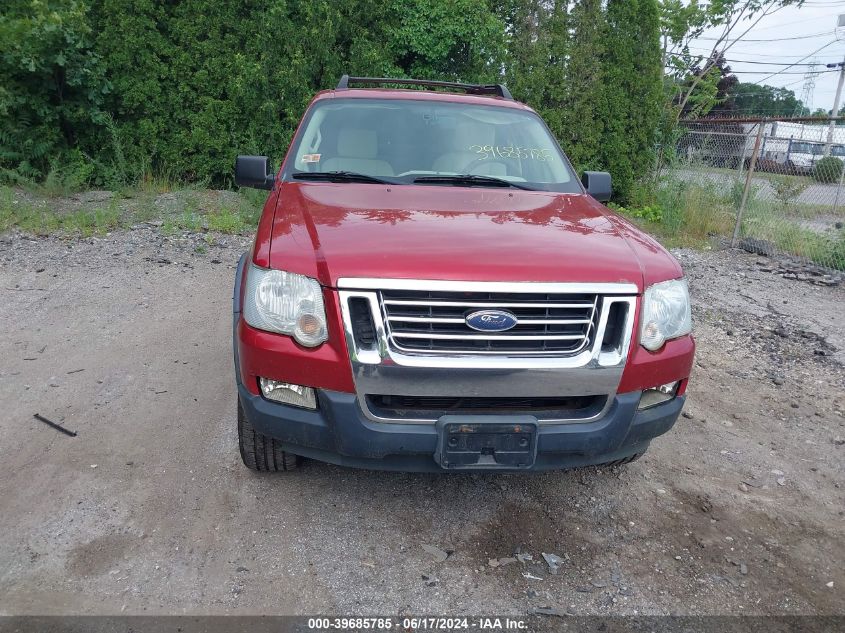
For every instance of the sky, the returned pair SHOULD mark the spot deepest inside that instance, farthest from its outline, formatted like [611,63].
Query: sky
[815,23]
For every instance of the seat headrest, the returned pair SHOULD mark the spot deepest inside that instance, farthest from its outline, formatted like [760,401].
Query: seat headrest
[357,143]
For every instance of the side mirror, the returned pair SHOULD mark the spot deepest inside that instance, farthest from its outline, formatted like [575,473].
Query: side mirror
[597,184]
[254,171]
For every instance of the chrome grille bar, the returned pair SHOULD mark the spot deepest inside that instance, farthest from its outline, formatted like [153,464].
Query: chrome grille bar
[492,337]
[444,370]
[488,304]
[434,321]
[522,321]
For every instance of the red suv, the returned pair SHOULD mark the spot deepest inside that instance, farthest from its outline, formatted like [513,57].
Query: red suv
[432,288]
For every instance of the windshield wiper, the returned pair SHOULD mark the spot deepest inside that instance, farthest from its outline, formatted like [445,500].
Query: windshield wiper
[339,176]
[473,180]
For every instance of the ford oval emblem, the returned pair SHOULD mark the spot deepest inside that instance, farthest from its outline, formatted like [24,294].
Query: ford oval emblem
[491,320]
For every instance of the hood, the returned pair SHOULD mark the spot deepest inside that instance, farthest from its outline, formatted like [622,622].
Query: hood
[802,159]
[333,230]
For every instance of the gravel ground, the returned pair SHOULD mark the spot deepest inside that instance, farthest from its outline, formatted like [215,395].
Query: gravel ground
[125,339]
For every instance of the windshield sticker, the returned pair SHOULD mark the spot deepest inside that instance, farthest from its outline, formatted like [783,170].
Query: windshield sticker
[519,153]
[311,158]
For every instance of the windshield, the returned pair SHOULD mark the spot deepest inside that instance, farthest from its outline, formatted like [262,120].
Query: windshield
[806,148]
[405,140]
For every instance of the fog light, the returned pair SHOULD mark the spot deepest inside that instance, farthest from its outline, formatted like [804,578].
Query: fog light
[658,395]
[288,393]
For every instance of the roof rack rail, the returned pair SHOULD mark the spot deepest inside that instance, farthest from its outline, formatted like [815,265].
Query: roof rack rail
[474,89]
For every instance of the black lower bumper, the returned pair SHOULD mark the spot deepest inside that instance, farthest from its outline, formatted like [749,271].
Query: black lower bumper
[339,433]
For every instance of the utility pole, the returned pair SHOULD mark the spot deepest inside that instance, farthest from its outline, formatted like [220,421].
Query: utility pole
[841,65]
[835,112]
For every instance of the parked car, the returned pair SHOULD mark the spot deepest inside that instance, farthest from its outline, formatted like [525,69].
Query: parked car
[431,287]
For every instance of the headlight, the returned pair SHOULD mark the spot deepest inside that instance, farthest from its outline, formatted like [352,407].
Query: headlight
[287,303]
[666,313]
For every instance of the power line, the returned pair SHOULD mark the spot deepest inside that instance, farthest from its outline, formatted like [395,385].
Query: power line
[749,61]
[787,58]
[793,22]
[761,72]
[800,60]
[709,49]
[783,87]
[771,39]
[792,83]
[761,94]
[746,61]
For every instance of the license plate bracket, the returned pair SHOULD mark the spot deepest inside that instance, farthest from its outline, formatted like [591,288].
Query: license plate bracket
[467,442]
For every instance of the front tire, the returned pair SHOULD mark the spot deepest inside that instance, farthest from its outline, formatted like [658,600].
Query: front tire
[259,452]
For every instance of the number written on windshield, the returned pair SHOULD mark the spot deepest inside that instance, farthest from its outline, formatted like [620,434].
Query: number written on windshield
[520,153]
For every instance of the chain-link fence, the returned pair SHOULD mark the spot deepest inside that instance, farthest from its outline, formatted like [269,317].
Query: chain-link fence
[771,187]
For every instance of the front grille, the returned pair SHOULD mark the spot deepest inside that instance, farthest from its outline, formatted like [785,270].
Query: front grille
[363,327]
[433,407]
[434,321]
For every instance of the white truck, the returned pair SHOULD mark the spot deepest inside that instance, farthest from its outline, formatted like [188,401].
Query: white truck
[793,147]
[786,146]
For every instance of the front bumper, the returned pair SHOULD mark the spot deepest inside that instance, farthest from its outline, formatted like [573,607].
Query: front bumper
[338,432]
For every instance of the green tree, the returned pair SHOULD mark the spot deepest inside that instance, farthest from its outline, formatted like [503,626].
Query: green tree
[194,82]
[632,80]
[458,40]
[554,64]
[579,120]
[679,22]
[200,80]
[52,83]
[527,54]
[689,73]
[755,100]
[191,82]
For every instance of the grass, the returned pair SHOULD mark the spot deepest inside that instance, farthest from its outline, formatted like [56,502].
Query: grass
[734,171]
[800,210]
[38,219]
[763,222]
[223,218]
[681,213]
[685,214]
[226,220]
[186,210]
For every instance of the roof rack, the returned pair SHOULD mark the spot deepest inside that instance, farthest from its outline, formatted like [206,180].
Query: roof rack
[474,89]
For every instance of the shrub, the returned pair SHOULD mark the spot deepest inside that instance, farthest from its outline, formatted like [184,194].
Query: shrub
[693,212]
[52,86]
[147,89]
[828,169]
[648,212]
[787,188]
[836,254]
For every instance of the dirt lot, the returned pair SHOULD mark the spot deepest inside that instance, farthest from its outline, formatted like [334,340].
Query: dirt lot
[126,340]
